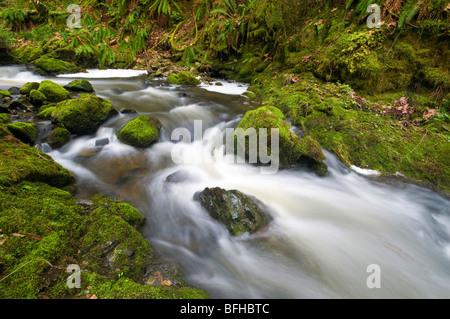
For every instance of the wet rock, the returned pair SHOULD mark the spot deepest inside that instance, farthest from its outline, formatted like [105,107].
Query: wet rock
[53,91]
[102,142]
[80,86]
[127,111]
[83,115]
[183,78]
[239,213]
[21,104]
[28,87]
[57,138]
[140,132]
[177,177]
[14,90]
[26,132]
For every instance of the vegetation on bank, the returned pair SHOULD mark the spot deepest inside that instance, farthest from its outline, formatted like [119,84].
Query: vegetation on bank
[377,98]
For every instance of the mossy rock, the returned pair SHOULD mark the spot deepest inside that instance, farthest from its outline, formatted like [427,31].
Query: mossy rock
[57,138]
[53,91]
[26,132]
[47,112]
[47,65]
[4,93]
[80,86]
[22,162]
[37,98]
[292,149]
[56,231]
[183,78]
[27,53]
[140,132]
[83,115]
[239,213]
[28,87]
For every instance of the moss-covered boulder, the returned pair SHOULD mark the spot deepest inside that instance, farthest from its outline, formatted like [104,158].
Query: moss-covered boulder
[22,162]
[83,115]
[47,65]
[37,98]
[239,213]
[57,138]
[53,91]
[80,86]
[4,93]
[292,149]
[183,78]
[140,132]
[47,112]
[26,132]
[28,87]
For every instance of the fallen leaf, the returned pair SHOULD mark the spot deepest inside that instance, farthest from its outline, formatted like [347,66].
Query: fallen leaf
[93,297]
[35,237]
[18,235]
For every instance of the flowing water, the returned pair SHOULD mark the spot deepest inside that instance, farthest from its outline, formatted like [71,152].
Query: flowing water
[325,231]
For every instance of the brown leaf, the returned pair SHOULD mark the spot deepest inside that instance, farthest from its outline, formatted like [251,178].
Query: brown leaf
[18,235]
[35,237]
[93,297]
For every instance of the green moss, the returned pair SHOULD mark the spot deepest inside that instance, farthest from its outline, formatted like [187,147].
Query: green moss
[48,65]
[80,86]
[140,132]
[37,97]
[27,53]
[23,162]
[4,118]
[4,93]
[26,132]
[47,112]
[58,137]
[292,149]
[83,115]
[125,288]
[183,78]
[53,91]
[28,87]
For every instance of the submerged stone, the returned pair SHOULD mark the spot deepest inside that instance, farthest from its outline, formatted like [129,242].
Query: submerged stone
[239,213]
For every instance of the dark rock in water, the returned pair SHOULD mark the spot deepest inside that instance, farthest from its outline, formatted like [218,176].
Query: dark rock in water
[22,103]
[102,142]
[14,90]
[177,177]
[127,111]
[239,213]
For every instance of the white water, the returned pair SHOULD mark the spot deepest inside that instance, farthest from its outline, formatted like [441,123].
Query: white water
[325,231]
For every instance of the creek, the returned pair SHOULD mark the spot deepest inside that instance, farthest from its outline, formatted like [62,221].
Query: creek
[325,232]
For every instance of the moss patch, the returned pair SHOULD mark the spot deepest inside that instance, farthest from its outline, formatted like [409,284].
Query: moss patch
[28,87]
[140,132]
[58,137]
[23,162]
[80,86]
[183,78]
[26,132]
